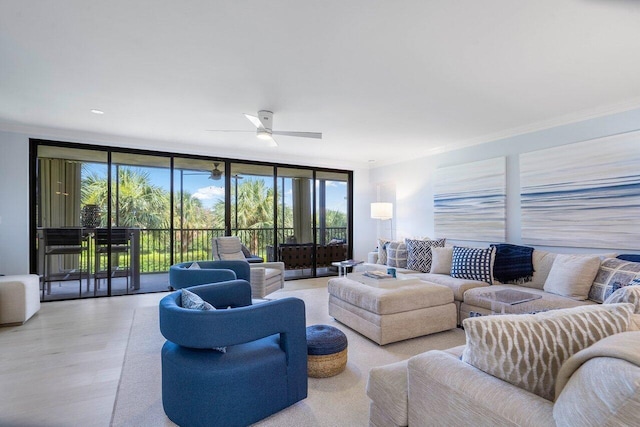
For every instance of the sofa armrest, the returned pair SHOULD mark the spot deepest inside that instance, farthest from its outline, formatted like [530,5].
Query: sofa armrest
[447,391]
[387,388]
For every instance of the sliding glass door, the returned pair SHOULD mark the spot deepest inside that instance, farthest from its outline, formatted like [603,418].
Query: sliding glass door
[111,221]
[198,207]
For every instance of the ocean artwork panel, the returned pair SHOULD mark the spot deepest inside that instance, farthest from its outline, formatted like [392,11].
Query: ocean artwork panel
[469,201]
[585,194]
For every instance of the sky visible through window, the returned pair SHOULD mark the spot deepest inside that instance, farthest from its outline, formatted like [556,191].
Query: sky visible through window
[209,192]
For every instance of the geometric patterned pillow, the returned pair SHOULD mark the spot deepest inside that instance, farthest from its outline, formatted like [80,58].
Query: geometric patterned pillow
[419,253]
[473,264]
[612,275]
[397,254]
[527,350]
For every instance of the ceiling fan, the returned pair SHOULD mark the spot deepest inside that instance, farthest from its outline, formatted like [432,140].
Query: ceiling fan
[216,173]
[264,128]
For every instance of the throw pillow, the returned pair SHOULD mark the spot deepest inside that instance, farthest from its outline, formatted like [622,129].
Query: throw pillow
[229,248]
[441,260]
[382,251]
[397,254]
[236,256]
[612,275]
[629,257]
[473,264]
[628,294]
[572,275]
[419,253]
[527,350]
[194,266]
[194,302]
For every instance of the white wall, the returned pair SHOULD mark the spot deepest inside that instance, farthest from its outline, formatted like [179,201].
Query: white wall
[414,187]
[14,203]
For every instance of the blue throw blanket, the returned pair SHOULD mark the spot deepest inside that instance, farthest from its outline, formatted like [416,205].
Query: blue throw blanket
[513,263]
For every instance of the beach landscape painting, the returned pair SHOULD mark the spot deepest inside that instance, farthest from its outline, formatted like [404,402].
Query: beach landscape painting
[469,201]
[584,194]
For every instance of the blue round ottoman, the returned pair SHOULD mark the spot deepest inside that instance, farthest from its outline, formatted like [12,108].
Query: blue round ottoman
[326,351]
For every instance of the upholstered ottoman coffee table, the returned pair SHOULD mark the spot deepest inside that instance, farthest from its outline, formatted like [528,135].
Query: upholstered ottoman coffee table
[391,310]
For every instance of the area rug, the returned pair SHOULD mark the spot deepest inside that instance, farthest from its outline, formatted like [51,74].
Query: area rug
[334,401]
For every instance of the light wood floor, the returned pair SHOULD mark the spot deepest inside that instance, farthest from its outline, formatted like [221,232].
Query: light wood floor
[62,367]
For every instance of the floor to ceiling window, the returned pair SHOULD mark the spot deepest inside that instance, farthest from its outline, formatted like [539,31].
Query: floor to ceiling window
[110,221]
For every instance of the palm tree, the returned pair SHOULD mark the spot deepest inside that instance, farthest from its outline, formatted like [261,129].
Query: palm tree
[140,203]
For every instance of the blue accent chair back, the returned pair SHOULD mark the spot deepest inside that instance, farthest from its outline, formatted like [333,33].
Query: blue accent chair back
[180,276]
[263,370]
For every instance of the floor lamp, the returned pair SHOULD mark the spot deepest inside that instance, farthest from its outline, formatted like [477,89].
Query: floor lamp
[383,211]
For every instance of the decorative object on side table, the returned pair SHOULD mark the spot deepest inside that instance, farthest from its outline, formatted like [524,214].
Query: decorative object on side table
[344,265]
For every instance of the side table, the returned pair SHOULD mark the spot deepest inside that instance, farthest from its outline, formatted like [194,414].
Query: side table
[344,265]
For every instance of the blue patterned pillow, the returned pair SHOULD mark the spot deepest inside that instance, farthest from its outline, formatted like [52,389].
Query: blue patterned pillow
[194,302]
[419,253]
[613,274]
[473,264]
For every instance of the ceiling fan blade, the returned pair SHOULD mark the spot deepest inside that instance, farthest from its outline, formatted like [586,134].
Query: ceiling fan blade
[256,121]
[317,135]
[226,130]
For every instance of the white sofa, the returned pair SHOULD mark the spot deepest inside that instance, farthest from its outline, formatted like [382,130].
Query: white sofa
[598,384]
[19,298]
[467,292]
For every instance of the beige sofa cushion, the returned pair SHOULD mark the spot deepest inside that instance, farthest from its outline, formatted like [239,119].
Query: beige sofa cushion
[527,350]
[458,286]
[572,275]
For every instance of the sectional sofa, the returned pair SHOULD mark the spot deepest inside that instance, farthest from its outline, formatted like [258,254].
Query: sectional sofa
[568,358]
[567,379]
[576,280]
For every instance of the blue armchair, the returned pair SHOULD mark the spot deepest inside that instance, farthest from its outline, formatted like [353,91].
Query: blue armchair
[263,371]
[181,276]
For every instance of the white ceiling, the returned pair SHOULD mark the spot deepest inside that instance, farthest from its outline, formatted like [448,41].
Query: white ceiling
[383,80]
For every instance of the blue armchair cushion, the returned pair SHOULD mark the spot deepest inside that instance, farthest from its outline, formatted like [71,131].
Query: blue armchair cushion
[194,302]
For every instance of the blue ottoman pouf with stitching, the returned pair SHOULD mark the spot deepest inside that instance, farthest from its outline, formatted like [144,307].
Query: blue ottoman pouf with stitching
[326,351]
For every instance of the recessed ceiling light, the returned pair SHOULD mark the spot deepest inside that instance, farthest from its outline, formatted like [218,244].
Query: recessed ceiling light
[97,111]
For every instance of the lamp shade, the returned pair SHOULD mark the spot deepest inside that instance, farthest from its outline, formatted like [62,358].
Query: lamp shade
[381,210]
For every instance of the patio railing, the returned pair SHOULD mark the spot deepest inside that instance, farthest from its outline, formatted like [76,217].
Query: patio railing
[195,244]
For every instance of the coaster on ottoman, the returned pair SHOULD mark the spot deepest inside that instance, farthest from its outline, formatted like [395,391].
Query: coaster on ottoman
[326,351]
